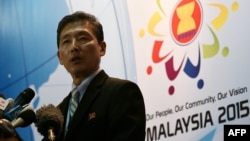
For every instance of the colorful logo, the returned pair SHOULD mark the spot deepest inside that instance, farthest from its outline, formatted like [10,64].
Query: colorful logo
[186,21]
[185,24]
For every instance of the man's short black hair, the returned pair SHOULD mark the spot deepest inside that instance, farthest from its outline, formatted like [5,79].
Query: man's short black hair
[84,17]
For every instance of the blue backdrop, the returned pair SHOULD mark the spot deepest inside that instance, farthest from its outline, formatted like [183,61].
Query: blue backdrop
[28,46]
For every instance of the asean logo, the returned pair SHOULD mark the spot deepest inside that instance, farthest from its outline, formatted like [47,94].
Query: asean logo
[186,21]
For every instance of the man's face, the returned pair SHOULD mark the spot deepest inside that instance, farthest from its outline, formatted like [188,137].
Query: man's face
[79,50]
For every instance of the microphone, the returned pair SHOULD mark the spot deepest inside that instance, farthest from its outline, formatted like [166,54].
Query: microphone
[5,105]
[25,117]
[10,105]
[14,112]
[22,100]
[24,97]
[49,121]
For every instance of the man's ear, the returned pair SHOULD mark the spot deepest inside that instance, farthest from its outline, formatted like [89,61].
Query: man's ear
[102,48]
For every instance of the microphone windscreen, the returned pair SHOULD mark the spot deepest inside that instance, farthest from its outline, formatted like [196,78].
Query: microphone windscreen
[25,118]
[48,117]
[24,97]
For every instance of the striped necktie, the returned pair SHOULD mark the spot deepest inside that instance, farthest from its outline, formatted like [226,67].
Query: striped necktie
[74,101]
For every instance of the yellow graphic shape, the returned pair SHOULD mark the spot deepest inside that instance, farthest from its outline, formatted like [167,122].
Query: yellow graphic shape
[141,33]
[184,13]
[155,19]
[235,6]
[225,51]
[210,50]
[219,21]
[160,7]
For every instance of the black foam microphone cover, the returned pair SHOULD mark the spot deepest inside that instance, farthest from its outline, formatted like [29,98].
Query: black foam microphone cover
[49,117]
[24,97]
[25,118]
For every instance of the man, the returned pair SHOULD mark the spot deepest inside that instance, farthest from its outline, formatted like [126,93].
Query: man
[108,109]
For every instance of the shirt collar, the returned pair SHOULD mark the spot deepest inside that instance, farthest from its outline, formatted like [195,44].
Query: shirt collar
[84,84]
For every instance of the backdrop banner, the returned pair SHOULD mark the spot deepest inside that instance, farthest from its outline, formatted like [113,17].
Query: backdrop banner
[191,63]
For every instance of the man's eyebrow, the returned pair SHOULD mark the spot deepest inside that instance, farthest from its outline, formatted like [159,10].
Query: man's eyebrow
[78,33]
[64,36]
[82,33]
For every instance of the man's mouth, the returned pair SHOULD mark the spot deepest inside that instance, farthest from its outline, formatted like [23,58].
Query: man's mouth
[75,59]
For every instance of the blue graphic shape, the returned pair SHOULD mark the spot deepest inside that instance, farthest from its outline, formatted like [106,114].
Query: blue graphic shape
[209,136]
[192,70]
[28,46]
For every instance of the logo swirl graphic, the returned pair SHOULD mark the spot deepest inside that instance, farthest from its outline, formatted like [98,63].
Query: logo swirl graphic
[185,24]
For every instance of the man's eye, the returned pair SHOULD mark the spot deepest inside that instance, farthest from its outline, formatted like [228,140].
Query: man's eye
[83,39]
[66,41]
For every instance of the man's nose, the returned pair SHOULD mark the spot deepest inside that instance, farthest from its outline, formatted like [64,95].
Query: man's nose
[75,45]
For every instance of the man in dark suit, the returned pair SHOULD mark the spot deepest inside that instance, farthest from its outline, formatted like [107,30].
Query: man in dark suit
[107,108]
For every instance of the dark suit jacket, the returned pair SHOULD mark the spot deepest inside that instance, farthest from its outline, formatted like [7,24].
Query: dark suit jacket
[110,110]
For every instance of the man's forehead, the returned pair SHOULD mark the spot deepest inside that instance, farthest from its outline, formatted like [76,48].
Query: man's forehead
[77,29]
